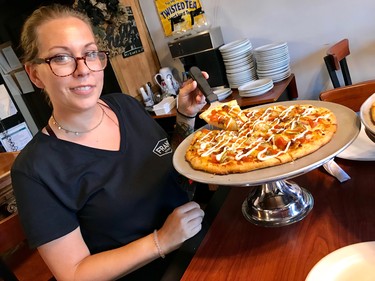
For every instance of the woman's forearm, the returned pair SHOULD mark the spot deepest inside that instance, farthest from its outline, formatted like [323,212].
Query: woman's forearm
[112,264]
[75,262]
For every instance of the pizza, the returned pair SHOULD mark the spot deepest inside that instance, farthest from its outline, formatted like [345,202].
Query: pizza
[227,116]
[264,137]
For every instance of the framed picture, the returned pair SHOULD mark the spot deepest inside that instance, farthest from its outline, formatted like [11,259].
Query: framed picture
[114,26]
[178,17]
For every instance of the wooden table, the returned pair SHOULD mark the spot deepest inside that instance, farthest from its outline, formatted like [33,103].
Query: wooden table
[288,85]
[231,248]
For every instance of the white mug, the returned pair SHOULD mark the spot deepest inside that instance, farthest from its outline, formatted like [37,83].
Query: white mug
[165,74]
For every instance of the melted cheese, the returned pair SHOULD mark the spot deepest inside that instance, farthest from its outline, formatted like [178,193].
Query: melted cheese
[243,143]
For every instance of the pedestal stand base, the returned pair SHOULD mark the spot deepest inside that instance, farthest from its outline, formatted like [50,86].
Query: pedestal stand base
[277,203]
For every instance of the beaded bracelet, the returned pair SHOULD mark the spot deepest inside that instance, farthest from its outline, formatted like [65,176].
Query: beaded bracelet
[189,117]
[156,241]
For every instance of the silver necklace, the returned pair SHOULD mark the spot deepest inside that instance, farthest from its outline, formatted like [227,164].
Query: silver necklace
[58,125]
[106,114]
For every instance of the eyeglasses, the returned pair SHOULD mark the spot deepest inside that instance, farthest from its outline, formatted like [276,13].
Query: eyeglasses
[65,65]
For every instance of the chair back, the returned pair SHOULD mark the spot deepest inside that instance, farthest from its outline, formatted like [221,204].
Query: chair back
[335,61]
[17,260]
[352,96]
[11,233]
[6,162]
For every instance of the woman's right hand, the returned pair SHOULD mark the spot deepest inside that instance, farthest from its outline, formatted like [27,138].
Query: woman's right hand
[183,223]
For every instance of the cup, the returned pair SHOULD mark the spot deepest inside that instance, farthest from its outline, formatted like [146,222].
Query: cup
[165,74]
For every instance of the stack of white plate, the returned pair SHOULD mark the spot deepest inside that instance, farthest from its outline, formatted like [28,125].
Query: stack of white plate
[255,88]
[223,93]
[273,61]
[239,62]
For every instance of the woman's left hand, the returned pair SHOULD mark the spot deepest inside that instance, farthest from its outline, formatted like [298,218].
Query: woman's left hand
[190,98]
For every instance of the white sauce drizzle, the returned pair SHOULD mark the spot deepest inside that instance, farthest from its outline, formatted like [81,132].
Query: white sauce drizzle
[300,135]
[327,116]
[263,158]
[244,143]
[240,154]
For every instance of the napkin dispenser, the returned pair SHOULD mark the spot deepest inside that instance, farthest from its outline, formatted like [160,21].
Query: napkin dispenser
[164,106]
[202,50]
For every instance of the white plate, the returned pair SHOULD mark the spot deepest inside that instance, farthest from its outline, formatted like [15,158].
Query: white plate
[222,96]
[362,149]
[271,56]
[253,85]
[238,44]
[281,78]
[245,56]
[238,69]
[276,77]
[240,75]
[277,70]
[344,135]
[365,114]
[256,93]
[270,47]
[239,63]
[350,263]
[237,54]
[269,59]
[272,65]
[221,91]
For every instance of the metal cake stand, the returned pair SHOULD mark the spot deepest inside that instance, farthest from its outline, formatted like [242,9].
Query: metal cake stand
[275,200]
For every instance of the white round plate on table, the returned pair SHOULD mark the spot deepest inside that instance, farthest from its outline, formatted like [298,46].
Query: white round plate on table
[361,149]
[350,263]
[365,114]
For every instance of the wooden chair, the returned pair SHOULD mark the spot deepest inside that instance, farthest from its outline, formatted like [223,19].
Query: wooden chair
[352,96]
[336,60]
[6,162]
[17,260]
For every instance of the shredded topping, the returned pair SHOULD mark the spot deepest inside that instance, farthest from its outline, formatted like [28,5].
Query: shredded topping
[280,130]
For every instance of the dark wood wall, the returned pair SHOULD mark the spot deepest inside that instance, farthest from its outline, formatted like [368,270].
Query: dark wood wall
[14,12]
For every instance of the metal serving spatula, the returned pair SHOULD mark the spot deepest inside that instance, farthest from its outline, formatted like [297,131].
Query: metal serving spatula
[204,87]
[335,170]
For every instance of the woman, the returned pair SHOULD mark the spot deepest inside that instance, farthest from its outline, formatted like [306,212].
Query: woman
[94,185]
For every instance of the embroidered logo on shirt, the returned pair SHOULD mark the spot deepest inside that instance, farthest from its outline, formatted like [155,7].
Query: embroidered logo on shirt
[162,148]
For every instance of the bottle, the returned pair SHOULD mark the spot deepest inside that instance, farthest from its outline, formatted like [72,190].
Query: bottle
[149,91]
[169,86]
[146,99]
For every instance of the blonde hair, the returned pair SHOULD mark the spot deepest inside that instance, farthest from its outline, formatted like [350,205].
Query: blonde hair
[29,38]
